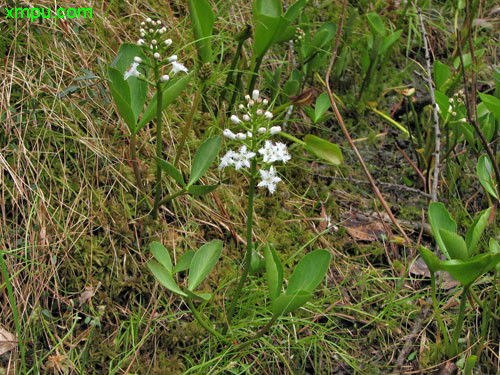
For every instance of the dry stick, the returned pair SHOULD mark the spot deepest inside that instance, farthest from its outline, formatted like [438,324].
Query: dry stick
[346,132]
[471,116]
[437,149]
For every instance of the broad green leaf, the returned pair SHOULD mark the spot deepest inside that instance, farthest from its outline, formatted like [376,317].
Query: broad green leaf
[288,303]
[309,272]
[471,361]
[204,157]
[495,249]
[294,10]
[467,272]
[485,173]
[170,93]
[291,87]
[119,84]
[185,261]
[274,271]
[324,34]
[203,262]
[138,88]
[266,29]
[322,105]
[202,18]
[389,40]
[439,218]
[441,74]
[199,190]
[492,103]
[161,254]
[443,103]
[476,231]
[270,8]
[123,109]
[431,259]
[376,24]
[455,244]
[323,149]
[164,277]
[170,170]
[198,296]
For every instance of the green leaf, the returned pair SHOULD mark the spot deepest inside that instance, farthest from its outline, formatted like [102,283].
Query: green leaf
[455,244]
[270,8]
[119,84]
[170,93]
[204,157]
[161,254]
[185,261]
[441,74]
[309,272]
[431,259]
[164,277]
[266,29]
[467,272]
[202,18]
[492,103]
[476,231]
[439,218]
[322,105]
[199,190]
[485,174]
[274,271]
[294,10]
[123,109]
[198,296]
[495,249]
[443,102]
[324,34]
[376,24]
[388,41]
[170,170]
[288,303]
[471,361]
[323,149]
[203,262]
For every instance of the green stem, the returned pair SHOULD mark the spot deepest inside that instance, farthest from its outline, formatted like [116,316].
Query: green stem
[453,348]
[258,335]
[200,320]
[248,255]
[255,74]
[168,198]
[159,100]
[13,306]
[435,305]
[189,121]
[135,166]
[229,78]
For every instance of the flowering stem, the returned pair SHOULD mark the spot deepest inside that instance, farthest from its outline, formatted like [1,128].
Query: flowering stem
[248,255]
[159,100]
[189,121]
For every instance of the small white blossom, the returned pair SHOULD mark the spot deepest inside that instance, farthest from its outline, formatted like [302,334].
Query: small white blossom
[148,20]
[156,55]
[262,130]
[259,112]
[164,78]
[172,58]
[241,136]
[243,158]
[228,159]
[274,152]
[142,35]
[137,59]
[178,67]
[269,179]
[142,31]
[249,134]
[168,42]
[268,115]
[154,42]
[265,102]
[274,130]
[132,72]
[140,42]
[235,119]
[229,134]
[250,103]
[255,94]
[151,31]
[241,107]
[247,97]
[246,118]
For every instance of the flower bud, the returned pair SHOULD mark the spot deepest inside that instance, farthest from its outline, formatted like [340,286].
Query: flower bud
[164,78]
[255,94]
[156,55]
[143,35]
[249,134]
[229,134]
[250,103]
[247,97]
[235,119]
[268,115]
[246,118]
[148,20]
[241,136]
[265,102]
[140,42]
[168,42]
[275,129]
[241,107]
[262,130]
[172,58]
[259,112]
[154,42]
[137,59]
[151,31]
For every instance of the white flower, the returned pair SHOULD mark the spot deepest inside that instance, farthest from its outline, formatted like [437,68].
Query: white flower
[241,136]
[268,115]
[249,134]
[261,130]
[132,72]
[148,20]
[156,55]
[164,78]
[228,159]
[140,42]
[178,67]
[235,119]
[229,134]
[275,129]
[269,179]
[246,118]
[243,158]
[137,59]
[172,58]
[274,152]
[259,112]
[265,102]
[151,31]
[168,42]
[255,94]
[154,42]
[247,97]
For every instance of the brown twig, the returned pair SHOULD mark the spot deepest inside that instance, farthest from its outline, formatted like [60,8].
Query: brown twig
[346,132]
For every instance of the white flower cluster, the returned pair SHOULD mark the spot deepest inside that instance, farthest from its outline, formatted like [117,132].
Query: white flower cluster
[152,34]
[255,130]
